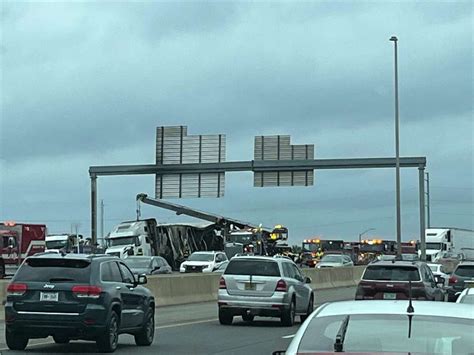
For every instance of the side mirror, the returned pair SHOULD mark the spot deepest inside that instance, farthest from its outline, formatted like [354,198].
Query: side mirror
[307,280]
[130,251]
[142,280]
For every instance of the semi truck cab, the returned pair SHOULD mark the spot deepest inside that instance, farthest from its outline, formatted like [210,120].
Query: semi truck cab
[129,238]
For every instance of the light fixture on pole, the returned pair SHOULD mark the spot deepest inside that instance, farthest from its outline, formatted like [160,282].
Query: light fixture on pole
[361,234]
[394,39]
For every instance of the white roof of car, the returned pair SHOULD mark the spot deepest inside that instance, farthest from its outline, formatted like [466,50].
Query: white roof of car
[428,308]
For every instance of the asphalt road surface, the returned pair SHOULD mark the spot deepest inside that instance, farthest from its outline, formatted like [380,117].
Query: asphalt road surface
[194,329]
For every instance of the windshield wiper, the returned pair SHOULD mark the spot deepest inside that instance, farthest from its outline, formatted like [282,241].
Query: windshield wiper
[341,334]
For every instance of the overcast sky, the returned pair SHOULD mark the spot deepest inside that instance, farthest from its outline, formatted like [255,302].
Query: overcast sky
[87,83]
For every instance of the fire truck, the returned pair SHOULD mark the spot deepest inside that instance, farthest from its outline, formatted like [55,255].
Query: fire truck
[18,241]
[314,248]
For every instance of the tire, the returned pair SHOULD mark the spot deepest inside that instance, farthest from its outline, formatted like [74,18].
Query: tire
[303,317]
[225,318]
[147,333]
[248,317]
[60,339]
[288,315]
[15,341]
[108,342]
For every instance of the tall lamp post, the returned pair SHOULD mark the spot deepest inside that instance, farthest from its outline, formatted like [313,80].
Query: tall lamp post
[361,234]
[394,39]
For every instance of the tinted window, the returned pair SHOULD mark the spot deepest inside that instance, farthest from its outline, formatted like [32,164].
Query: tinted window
[252,267]
[427,337]
[110,272]
[465,270]
[391,273]
[127,275]
[201,257]
[54,270]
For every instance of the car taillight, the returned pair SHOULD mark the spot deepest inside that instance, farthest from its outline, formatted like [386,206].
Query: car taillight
[86,291]
[222,285]
[16,289]
[453,280]
[281,286]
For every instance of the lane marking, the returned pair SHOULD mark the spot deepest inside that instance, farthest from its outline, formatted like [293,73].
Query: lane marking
[288,336]
[186,323]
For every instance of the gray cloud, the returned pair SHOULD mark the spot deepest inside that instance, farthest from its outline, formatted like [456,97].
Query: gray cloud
[87,83]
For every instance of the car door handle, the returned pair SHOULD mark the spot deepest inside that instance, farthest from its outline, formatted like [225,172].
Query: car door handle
[118,287]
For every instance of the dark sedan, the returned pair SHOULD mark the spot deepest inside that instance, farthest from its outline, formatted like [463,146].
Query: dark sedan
[149,265]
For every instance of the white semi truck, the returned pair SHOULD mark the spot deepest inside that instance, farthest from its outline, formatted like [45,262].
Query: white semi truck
[440,241]
[131,238]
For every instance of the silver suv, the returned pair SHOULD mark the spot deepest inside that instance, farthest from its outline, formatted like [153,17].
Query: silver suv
[263,286]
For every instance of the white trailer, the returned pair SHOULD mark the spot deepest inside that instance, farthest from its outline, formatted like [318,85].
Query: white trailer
[446,239]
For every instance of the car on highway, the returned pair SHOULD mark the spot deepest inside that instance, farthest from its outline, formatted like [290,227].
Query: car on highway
[264,286]
[391,280]
[73,296]
[386,327]
[439,272]
[466,296]
[203,261]
[334,260]
[148,265]
[463,272]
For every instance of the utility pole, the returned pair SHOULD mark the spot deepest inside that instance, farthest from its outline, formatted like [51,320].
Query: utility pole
[428,219]
[102,220]
[394,39]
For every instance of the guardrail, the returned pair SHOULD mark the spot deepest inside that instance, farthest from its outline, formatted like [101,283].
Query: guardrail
[191,288]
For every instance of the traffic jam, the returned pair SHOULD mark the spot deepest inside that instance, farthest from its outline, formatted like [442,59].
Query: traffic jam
[63,287]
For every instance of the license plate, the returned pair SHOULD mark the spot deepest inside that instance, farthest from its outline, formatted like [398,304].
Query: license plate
[49,296]
[469,283]
[389,296]
[250,286]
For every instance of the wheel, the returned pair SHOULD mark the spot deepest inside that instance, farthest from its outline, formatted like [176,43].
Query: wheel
[288,315]
[248,317]
[60,339]
[108,342]
[147,333]
[15,341]
[225,318]
[303,317]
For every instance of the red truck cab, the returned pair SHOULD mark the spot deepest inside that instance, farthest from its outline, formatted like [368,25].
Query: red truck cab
[18,241]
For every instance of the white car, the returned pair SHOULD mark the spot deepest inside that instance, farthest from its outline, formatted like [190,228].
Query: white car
[203,261]
[334,260]
[466,296]
[439,271]
[376,327]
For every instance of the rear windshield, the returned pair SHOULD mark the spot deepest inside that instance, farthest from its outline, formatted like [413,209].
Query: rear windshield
[391,273]
[252,267]
[54,270]
[465,270]
[388,333]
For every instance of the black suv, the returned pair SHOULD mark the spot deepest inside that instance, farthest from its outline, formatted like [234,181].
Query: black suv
[390,280]
[77,297]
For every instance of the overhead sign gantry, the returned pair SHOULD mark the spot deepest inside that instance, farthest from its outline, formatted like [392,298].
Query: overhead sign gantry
[195,166]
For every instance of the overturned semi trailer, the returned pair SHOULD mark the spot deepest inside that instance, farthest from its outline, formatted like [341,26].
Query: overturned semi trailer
[175,242]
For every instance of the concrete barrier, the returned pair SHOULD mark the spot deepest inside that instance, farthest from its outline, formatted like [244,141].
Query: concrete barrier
[191,288]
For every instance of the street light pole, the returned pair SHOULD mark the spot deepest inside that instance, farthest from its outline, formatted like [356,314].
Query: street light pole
[394,39]
[428,219]
[361,234]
